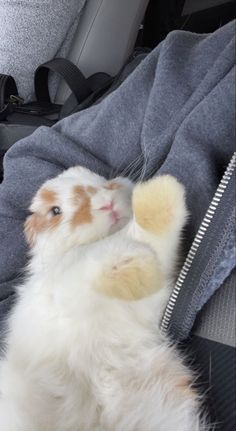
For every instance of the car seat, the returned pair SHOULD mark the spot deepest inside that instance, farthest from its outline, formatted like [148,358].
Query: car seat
[105,37]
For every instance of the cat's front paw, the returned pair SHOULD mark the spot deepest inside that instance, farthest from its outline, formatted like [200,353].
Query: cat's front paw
[159,204]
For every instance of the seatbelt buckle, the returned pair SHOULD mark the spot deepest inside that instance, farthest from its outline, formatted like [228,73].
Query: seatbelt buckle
[38,109]
[16,100]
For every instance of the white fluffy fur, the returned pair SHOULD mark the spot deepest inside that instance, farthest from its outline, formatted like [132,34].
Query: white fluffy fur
[77,360]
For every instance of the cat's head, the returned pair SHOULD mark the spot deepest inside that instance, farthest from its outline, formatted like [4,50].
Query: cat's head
[78,207]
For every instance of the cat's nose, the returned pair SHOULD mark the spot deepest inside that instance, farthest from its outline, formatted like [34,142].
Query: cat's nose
[107,207]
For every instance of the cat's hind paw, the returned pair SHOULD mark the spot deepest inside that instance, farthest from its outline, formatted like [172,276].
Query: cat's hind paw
[159,204]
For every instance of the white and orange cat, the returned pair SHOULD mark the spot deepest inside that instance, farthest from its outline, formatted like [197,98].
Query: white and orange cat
[84,351]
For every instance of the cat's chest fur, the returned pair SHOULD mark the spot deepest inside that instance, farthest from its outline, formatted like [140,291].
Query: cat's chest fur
[80,327]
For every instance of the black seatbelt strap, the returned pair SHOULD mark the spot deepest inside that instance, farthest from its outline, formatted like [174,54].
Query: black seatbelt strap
[99,83]
[75,80]
[82,89]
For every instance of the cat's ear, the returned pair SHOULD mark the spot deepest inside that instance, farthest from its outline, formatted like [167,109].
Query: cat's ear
[32,226]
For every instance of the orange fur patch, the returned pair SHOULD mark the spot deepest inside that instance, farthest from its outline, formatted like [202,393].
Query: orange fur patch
[31,227]
[37,223]
[182,382]
[184,385]
[92,190]
[78,193]
[41,220]
[81,199]
[48,196]
[112,186]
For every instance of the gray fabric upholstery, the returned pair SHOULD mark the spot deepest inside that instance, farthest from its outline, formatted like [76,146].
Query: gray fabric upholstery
[217,320]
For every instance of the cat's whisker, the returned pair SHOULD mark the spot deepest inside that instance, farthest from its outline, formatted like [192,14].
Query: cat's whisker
[135,169]
[132,166]
[120,172]
[143,173]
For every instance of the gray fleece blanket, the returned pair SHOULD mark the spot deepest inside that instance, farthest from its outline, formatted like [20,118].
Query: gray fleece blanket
[174,114]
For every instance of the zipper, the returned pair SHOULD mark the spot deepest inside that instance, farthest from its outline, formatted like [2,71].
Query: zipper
[207,220]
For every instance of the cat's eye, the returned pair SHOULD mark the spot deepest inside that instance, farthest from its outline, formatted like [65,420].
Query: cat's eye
[55,211]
